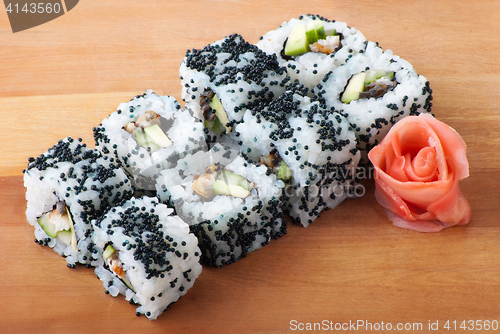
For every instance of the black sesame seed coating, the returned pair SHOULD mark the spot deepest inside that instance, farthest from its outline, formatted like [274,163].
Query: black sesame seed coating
[86,182]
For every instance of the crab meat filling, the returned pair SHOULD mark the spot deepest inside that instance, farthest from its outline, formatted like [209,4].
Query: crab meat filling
[113,264]
[149,118]
[326,46]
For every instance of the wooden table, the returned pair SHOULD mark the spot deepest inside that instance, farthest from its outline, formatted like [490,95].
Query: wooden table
[349,267]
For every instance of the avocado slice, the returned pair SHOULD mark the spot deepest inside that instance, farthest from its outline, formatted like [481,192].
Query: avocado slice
[311,34]
[355,86]
[297,42]
[235,179]
[156,135]
[152,137]
[223,188]
[65,236]
[140,138]
[284,172]
[373,75]
[216,105]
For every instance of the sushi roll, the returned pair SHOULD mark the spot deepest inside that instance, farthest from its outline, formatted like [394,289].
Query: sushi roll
[223,79]
[311,149]
[67,187]
[232,206]
[148,134]
[374,90]
[311,46]
[146,254]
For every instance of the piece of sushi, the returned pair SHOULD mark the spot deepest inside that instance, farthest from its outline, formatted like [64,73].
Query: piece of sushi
[67,187]
[232,206]
[223,79]
[145,253]
[149,134]
[312,149]
[374,90]
[311,46]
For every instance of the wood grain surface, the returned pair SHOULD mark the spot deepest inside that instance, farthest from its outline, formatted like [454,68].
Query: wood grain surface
[65,76]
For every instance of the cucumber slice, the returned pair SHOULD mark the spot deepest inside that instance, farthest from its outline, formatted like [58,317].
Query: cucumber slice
[216,105]
[297,42]
[320,30]
[58,224]
[47,226]
[311,34]
[354,87]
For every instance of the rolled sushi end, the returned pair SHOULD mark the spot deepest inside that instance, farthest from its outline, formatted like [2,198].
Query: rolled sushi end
[146,254]
[67,187]
[59,224]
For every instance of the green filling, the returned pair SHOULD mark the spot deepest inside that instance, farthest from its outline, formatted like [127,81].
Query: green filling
[216,126]
[51,223]
[235,179]
[107,255]
[284,172]
[355,86]
[47,226]
[108,252]
[303,35]
[221,114]
[231,184]
[320,30]
[311,34]
[223,188]
[152,137]
[297,42]
[358,82]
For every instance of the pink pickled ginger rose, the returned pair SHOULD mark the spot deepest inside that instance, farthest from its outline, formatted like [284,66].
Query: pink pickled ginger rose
[417,168]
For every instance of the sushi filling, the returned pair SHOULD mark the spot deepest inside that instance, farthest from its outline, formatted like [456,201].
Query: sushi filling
[59,224]
[217,181]
[215,116]
[369,84]
[326,46]
[147,132]
[310,37]
[113,264]
[277,166]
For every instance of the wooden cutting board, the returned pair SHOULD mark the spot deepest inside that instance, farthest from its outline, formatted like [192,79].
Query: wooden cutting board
[350,267]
